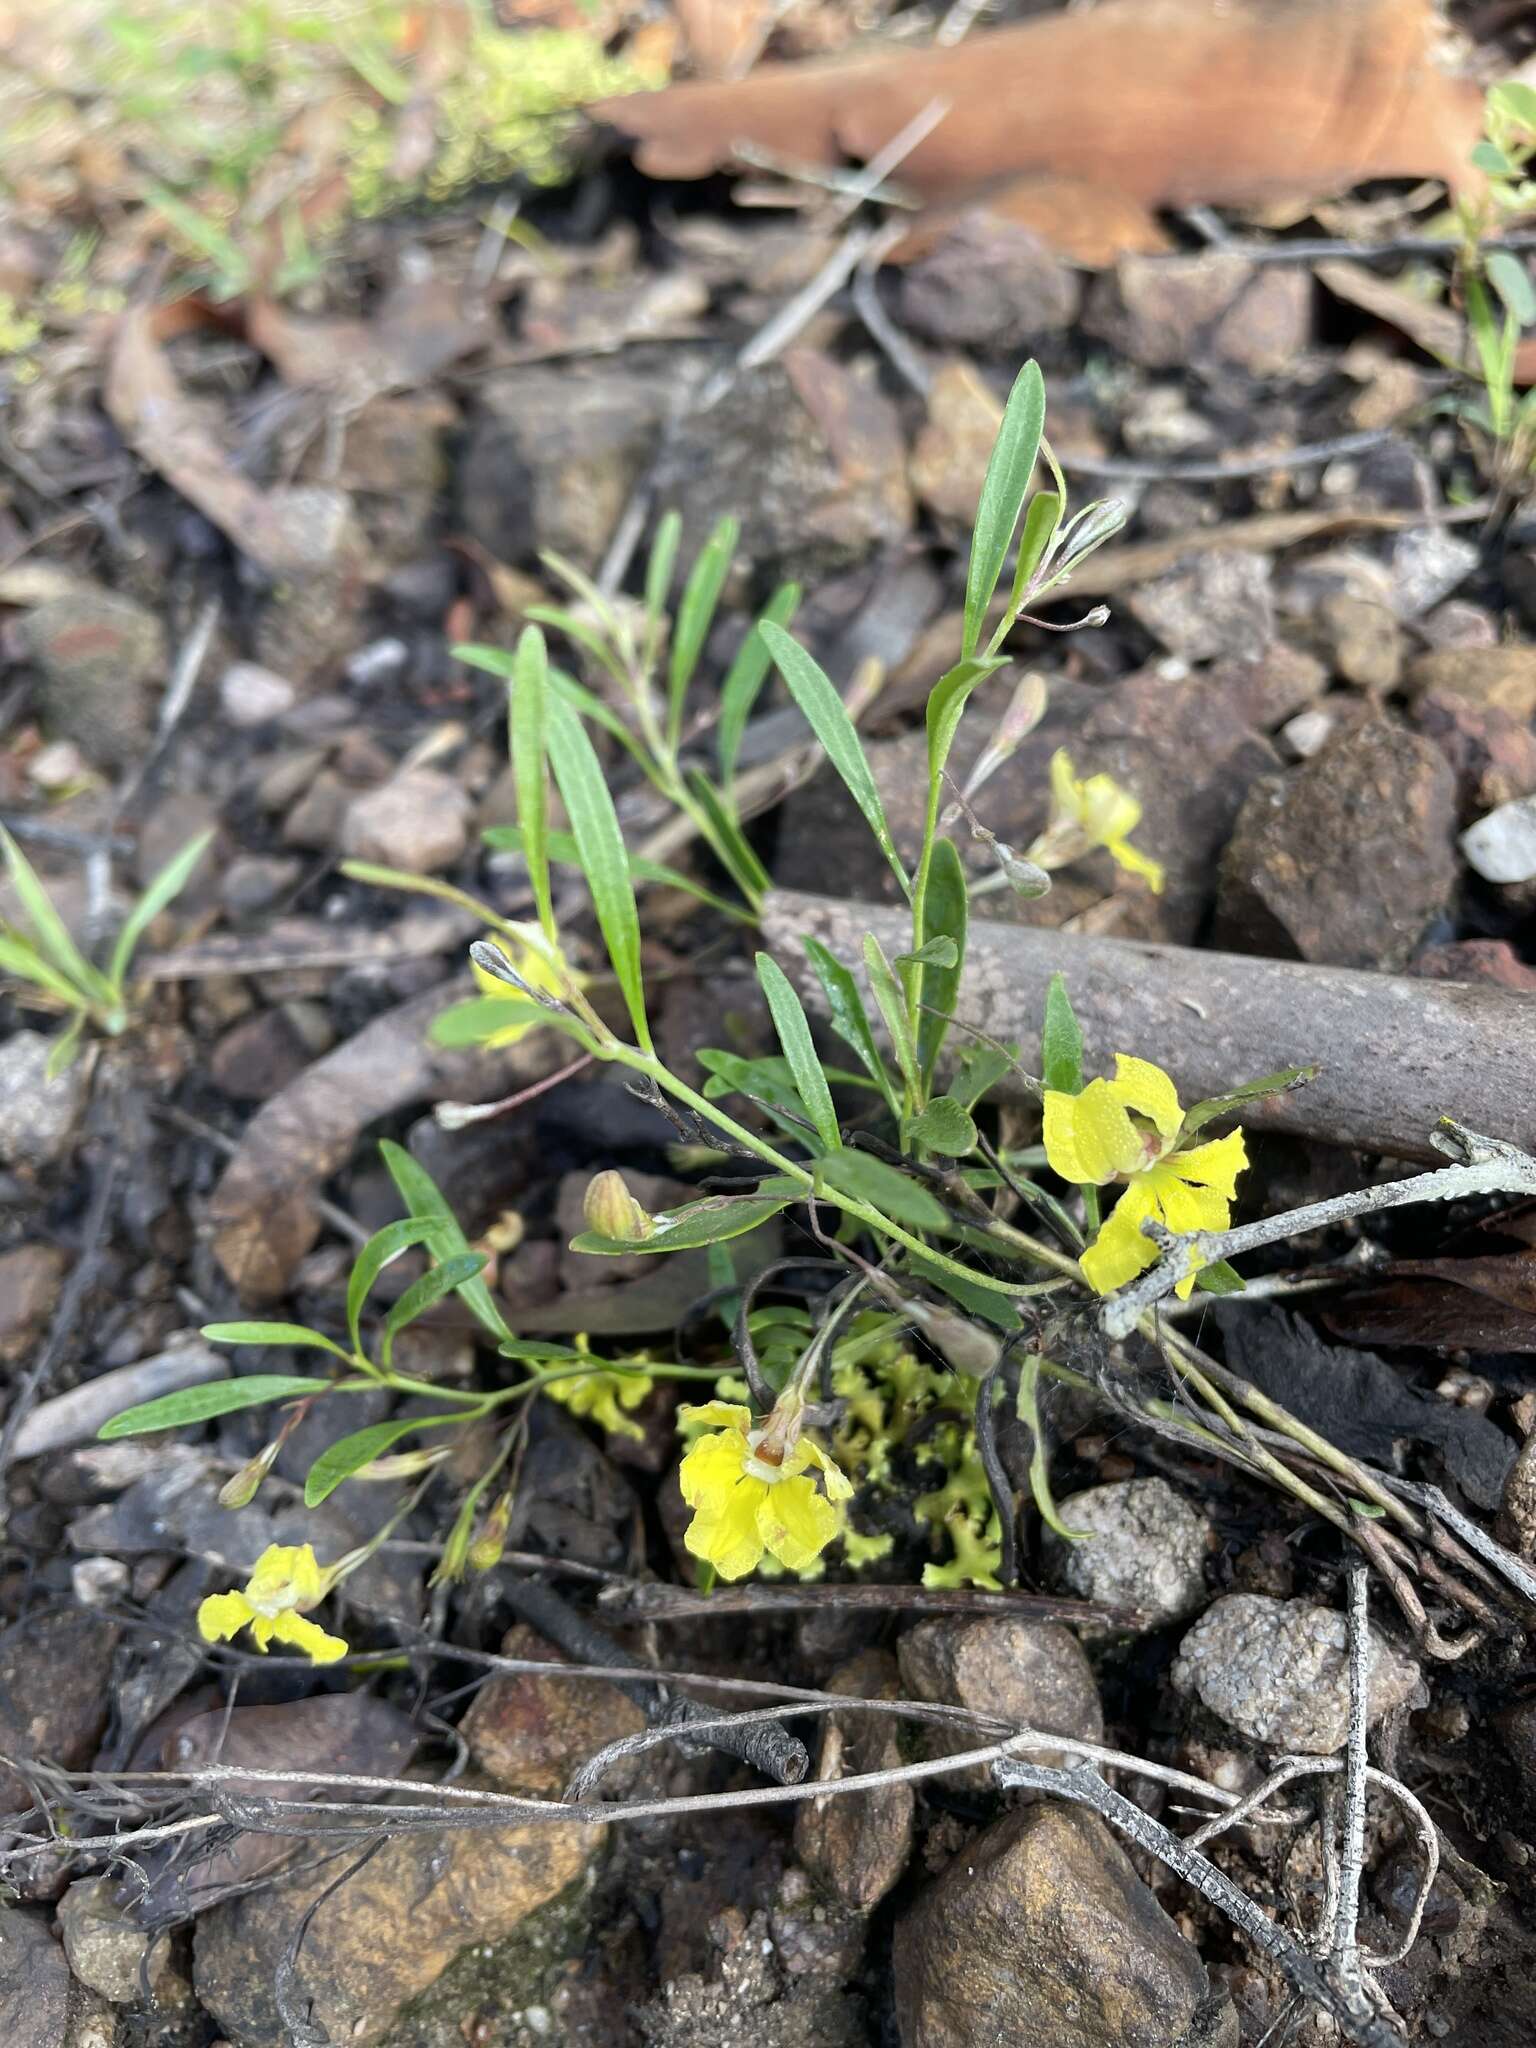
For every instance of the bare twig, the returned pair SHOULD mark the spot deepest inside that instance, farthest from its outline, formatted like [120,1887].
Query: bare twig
[634,1601]
[1113,469]
[1346,1926]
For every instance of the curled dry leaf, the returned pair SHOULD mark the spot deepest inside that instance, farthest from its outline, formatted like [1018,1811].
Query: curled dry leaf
[1081,125]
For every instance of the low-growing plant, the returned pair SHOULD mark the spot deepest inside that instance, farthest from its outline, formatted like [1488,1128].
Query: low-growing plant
[51,971]
[1495,284]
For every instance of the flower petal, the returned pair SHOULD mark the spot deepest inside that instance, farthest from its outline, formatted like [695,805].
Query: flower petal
[1147,1090]
[309,1637]
[1215,1165]
[725,1533]
[1105,810]
[286,1575]
[1120,1252]
[223,1615]
[838,1485]
[1064,784]
[1125,856]
[796,1522]
[712,1467]
[716,1415]
[1089,1137]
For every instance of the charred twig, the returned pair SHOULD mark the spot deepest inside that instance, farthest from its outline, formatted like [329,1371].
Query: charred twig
[768,1747]
[658,1603]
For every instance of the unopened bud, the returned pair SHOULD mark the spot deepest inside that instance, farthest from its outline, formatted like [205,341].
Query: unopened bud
[1024,713]
[240,1491]
[612,1211]
[485,1551]
[1024,877]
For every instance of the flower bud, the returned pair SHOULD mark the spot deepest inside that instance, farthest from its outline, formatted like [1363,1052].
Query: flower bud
[240,1491]
[487,1547]
[612,1211]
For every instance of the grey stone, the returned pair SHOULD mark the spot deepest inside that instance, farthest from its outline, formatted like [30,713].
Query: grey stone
[1504,677]
[1033,1672]
[37,2000]
[988,284]
[1278,1671]
[858,1847]
[1364,642]
[250,695]
[1501,847]
[97,654]
[1145,1547]
[106,1951]
[54,1669]
[418,821]
[1040,1932]
[1218,604]
[38,1116]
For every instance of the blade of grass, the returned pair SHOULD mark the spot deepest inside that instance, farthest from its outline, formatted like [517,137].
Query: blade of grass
[604,858]
[166,886]
[1002,497]
[695,614]
[50,934]
[527,738]
[789,1021]
[744,681]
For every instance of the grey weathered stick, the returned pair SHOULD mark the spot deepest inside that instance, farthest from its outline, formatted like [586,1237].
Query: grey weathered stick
[1396,1054]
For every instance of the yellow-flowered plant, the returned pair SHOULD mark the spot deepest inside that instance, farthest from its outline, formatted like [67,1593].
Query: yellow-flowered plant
[274,1604]
[538,964]
[1130,1131]
[1088,812]
[754,1493]
[602,1396]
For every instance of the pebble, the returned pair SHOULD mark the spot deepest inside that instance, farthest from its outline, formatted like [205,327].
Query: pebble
[105,1949]
[857,1847]
[418,821]
[250,695]
[523,1730]
[1309,732]
[377,663]
[254,882]
[98,654]
[54,1673]
[1364,642]
[1145,1548]
[1278,1671]
[1034,1672]
[38,1116]
[1040,1932]
[1428,564]
[30,1278]
[1501,676]
[1220,604]
[1501,847]
[989,284]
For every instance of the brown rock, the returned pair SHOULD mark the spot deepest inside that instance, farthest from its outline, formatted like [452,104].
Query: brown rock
[1267,689]
[106,1950]
[989,284]
[954,444]
[857,1847]
[1213,605]
[1040,1931]
[317,819]
[54,1672]
[418,821]
[1269,323]
[30,1278]
[1032,1672]
[1364,642]
[1501,676]
[1163,312]
[1347,860]
[1491,961]
[1492,754]
[98,654]
[262,1054]
[527,1732]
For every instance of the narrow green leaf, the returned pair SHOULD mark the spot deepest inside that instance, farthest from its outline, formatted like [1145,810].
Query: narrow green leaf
[1041,520]
[479,1019]
[658,577]
[995,1309]
[883,1187]
[695,614]
[744,680]
[376,1254]
[850,1020]
[429,1289]
[562,850]
[945,1126]
[1061,1042]
[49,931]
[299,1335]
[1487,156]
[939,952]
[19,957]
[700,1223]
[767,1082]
[1002,497]
[65,1048]
[1219,1278]
[424,1199]
[946,701]
[201,1404]
[827,716]
[166,886]
[604,860]
[729,842]
[892,1005]
[946,910]
[1039,1470]
[585,636]
[789,1021]
[1512,281]
[1202,1113]
[527,740]
[349,1454]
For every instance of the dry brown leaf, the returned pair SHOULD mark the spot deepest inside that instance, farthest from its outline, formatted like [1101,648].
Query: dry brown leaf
[286,531]
[419,330]
[1081,125]
[725,37]
[1437,329]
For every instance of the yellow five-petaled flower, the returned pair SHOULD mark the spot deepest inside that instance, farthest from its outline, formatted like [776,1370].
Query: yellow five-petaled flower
[1128,1130]
[286,1583]
[745,1505]
[1090,811]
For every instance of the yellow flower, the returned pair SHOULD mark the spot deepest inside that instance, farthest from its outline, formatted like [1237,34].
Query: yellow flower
[1089,812]
[287,1582]
[599,1395]
[541,965]
[1128,1130]
[745,1506]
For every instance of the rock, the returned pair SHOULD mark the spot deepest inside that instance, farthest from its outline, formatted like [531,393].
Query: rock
[1348,859]
[386,1934]
[823,447]
[1493,961]
[1033,1672]
[317,819]
[1501,676]
[857,1847]
[1041,1932]
[1492,755]
[1428,563]
[954,443]
[54,1695]
[38,1116]
[1159,423]
[309,621]
[30,1278]
[98,655]
[38,2003]
[1309,732]
[106,1951]
[418,821]
[526,1732]
[250,695]
[1502,846]
[1146,1548]
[750,1997]
[988,284]
[395,469]
[1278,1671]
[1270,687]
[254,882]
[1458,624]
[1218,604]
[1363,641]
[1164,311]
[1395,1888]
[259,1056]
[174,822]
[555,450]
